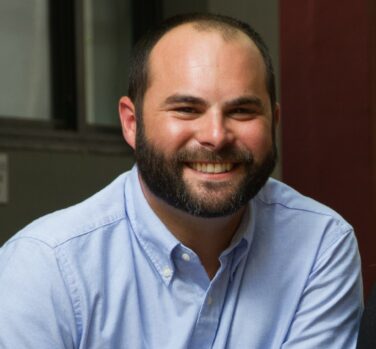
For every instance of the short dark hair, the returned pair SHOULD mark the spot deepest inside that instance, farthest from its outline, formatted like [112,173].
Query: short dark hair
[138,74]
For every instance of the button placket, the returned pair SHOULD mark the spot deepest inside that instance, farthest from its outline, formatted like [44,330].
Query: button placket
[210,313]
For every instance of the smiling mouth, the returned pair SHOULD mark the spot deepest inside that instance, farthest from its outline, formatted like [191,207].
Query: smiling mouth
[211,167]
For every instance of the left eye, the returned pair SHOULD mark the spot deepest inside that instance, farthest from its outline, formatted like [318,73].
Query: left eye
[242,113]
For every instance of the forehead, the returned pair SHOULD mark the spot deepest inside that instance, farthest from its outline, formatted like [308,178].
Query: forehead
[191,44]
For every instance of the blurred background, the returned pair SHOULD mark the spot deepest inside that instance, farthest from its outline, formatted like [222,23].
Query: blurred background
[64,65]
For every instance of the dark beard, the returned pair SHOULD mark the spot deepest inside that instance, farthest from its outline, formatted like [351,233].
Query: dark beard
[164,177]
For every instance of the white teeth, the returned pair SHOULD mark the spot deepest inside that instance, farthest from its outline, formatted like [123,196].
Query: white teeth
[212,167]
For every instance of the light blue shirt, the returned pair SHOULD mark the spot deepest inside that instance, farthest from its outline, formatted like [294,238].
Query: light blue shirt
[107,274]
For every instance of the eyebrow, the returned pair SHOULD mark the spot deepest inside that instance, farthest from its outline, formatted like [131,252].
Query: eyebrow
[179,98]
[244,100]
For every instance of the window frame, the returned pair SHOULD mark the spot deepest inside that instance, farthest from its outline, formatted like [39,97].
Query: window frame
[68,130]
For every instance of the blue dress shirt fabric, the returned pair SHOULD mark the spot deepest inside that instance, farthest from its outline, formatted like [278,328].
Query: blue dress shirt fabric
[107,274]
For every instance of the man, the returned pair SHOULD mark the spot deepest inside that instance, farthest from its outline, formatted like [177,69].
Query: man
[195,247]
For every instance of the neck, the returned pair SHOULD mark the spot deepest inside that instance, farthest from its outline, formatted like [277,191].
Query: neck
[207,237]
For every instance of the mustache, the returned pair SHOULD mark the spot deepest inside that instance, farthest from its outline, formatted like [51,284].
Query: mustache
[230,154]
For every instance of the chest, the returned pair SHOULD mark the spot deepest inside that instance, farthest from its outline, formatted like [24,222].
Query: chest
[138,309]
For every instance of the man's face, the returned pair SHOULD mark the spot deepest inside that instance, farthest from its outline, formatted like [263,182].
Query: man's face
[205,142]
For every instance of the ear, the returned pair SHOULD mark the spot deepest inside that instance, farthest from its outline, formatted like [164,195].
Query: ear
[127,113]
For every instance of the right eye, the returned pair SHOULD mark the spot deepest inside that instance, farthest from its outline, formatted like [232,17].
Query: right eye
[186,110]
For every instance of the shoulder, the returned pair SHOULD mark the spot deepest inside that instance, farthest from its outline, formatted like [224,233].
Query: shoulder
[288,201]
[284,213]
[101,210]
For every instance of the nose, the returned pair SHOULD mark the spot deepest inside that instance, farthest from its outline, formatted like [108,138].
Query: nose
[213,131]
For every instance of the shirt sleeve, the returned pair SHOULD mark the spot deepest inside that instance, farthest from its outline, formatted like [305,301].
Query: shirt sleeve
[35,308]
[330,309]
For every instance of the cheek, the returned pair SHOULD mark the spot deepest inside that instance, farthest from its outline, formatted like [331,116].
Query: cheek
[258,140]
[168,135]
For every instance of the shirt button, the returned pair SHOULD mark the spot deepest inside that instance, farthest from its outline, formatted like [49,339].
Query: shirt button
[186,257]
[210,300]
[167,272]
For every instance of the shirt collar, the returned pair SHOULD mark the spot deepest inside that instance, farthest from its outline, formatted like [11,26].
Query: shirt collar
[159,243]
[154,237]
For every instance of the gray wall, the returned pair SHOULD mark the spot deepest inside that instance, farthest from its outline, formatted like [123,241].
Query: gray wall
[45,180]
[173,7]
[262,15]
